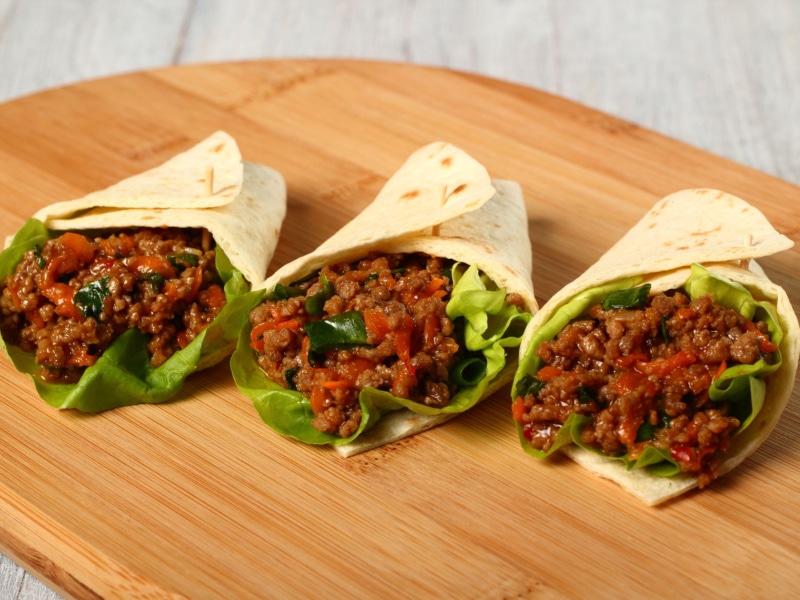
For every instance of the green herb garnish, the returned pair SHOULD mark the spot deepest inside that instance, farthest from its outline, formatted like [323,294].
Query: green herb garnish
[585,395]
[630,298]
[315,303]
[156,280]
[664,332]
[646,432]
[37,256]
[289,376]
[182,260]
[340,331]
[89,299]
[529,386]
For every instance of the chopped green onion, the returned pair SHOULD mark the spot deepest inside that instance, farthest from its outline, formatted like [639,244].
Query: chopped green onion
[631,298]
[37,255]
[282,292]
[340,331]
[182,260]
[289,375]
[468,371]
[89,299]
[156,280]
[529,386]
[315,304]
[646,432]
[585,395]
[664,332]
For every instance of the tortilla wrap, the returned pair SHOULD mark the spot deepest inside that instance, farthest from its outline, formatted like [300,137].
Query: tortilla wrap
[440,202]
[692,227]
[243,210]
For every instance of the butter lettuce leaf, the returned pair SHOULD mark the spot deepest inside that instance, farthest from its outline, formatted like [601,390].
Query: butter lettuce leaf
[490,327]
[741,385]
[123,375]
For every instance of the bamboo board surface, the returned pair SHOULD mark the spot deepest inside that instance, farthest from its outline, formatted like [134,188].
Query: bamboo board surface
[196,498]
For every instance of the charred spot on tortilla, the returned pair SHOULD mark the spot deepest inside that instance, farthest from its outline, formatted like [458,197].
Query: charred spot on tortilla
[410,195]
[705,233]
[459,189]
[446,162]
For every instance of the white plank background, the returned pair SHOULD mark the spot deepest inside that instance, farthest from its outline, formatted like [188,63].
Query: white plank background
[722,75]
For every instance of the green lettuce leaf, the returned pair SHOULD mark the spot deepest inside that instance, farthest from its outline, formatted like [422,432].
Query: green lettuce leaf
[490,326]
[741,385]
[123,376]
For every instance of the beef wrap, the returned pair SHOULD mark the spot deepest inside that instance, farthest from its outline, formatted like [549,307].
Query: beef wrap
[432,284]
[114,298]
[670,360]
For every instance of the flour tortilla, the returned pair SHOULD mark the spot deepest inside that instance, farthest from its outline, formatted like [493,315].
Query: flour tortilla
[178,183]
[724,234]
[440,202]
[244,213]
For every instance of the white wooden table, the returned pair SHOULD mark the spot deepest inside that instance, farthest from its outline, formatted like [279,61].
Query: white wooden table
[723,75]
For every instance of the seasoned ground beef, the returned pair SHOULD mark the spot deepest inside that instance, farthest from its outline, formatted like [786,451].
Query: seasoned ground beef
[69,299]
[643,376]
[410,342]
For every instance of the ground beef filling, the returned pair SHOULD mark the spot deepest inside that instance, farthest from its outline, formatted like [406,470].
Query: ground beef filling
[67,300]
[643,376]
[410,341]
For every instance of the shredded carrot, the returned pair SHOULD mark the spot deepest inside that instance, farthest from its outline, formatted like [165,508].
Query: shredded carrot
[723,366]
[376,322]
[317,399]
[292,324]
[257,332]
[81,358]
[182,339]
[171,291]
[435,284]
[766,345]
[518,409]
[34,317]
[337,385]
[629,359]
[664,366]
[547,372]
[198,281]
[63,296]
[80,248]
[213,297]
[152,264]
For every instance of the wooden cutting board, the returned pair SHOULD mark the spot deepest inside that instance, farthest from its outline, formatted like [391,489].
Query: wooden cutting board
[197,499]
